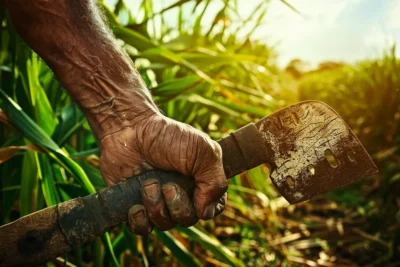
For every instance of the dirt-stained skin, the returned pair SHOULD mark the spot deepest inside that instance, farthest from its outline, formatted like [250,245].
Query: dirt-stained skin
[133,135]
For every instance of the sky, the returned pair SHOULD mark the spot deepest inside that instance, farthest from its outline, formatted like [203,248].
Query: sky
[326,30]
[339,30]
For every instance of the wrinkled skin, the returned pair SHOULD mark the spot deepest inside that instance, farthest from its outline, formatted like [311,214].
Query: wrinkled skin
[162,143]
[132,134]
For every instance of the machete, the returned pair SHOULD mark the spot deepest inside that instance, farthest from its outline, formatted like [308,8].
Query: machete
[309,148]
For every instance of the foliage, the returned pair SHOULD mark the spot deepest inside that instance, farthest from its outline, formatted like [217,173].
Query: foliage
[211,80]
[216,77]
[367,96]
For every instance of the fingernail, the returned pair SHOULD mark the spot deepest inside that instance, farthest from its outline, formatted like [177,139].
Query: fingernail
[138,216]
[209,212]
[169,193]
[151,191]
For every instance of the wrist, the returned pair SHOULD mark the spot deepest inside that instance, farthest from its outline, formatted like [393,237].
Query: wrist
[111,93]
[117,114]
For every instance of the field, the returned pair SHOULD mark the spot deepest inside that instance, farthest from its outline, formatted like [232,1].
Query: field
[217,82]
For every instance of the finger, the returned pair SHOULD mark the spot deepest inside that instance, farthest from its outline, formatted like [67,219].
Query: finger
[179,205]
[221,204]
[138,221]
[154,203]
[211,182]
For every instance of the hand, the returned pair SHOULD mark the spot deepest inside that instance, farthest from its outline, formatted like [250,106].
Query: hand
[159,142]
[74,41]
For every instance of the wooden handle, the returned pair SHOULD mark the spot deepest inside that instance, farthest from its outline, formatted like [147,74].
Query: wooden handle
[43,235]
[32,239]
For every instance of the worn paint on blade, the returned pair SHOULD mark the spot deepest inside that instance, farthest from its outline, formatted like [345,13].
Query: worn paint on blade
[327,129]
[308,147]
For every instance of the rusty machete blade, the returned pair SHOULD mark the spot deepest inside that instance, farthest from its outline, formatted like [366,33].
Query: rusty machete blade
[311,151]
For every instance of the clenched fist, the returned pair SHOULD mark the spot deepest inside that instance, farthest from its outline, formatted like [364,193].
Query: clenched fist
[159,142]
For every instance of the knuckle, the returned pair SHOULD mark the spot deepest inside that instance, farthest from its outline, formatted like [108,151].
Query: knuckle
[176,213]
[209,157]
[223,185]
[210,147]
[218,186]
[180,213]
[216,149]
[187,214]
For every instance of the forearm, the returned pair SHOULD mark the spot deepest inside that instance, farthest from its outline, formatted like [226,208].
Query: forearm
[74,41]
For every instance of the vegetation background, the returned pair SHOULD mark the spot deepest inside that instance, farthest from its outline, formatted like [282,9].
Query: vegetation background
[210,78]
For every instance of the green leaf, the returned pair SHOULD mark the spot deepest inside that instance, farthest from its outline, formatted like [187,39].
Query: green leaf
[28,183]
[175,86]
[112,19]
[177,249]
[32,131]
[131,241]
[8,152]
[213,105]
[133,38]
[215,59]
[93,151]
[44,113]
[291,6]
[107,243]
[212,244]
[70,190]
[72,120]
[197,24]
[240,107]
[45,174]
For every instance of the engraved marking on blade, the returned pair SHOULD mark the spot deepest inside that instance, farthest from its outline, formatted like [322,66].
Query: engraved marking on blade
[305,144]
[296,140]
[309,137]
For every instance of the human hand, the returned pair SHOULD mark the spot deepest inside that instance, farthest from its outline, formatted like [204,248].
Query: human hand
[156,141]
[74,41]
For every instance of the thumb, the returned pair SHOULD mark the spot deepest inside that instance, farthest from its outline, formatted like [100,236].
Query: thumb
[211,182]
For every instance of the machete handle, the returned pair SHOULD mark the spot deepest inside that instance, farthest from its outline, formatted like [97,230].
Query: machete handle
[45,234]
[84,218]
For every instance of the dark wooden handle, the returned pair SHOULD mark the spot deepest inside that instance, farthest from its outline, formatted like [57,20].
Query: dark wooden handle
[45,234]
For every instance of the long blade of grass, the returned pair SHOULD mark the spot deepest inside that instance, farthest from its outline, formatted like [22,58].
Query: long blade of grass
[28,184]
[45,174]
[108,245]
[291,6]
[178,250]
[212,245]
[7,153]
[32,131]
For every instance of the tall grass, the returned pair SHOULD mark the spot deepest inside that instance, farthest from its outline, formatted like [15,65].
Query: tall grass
[204,74]
[367,95]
